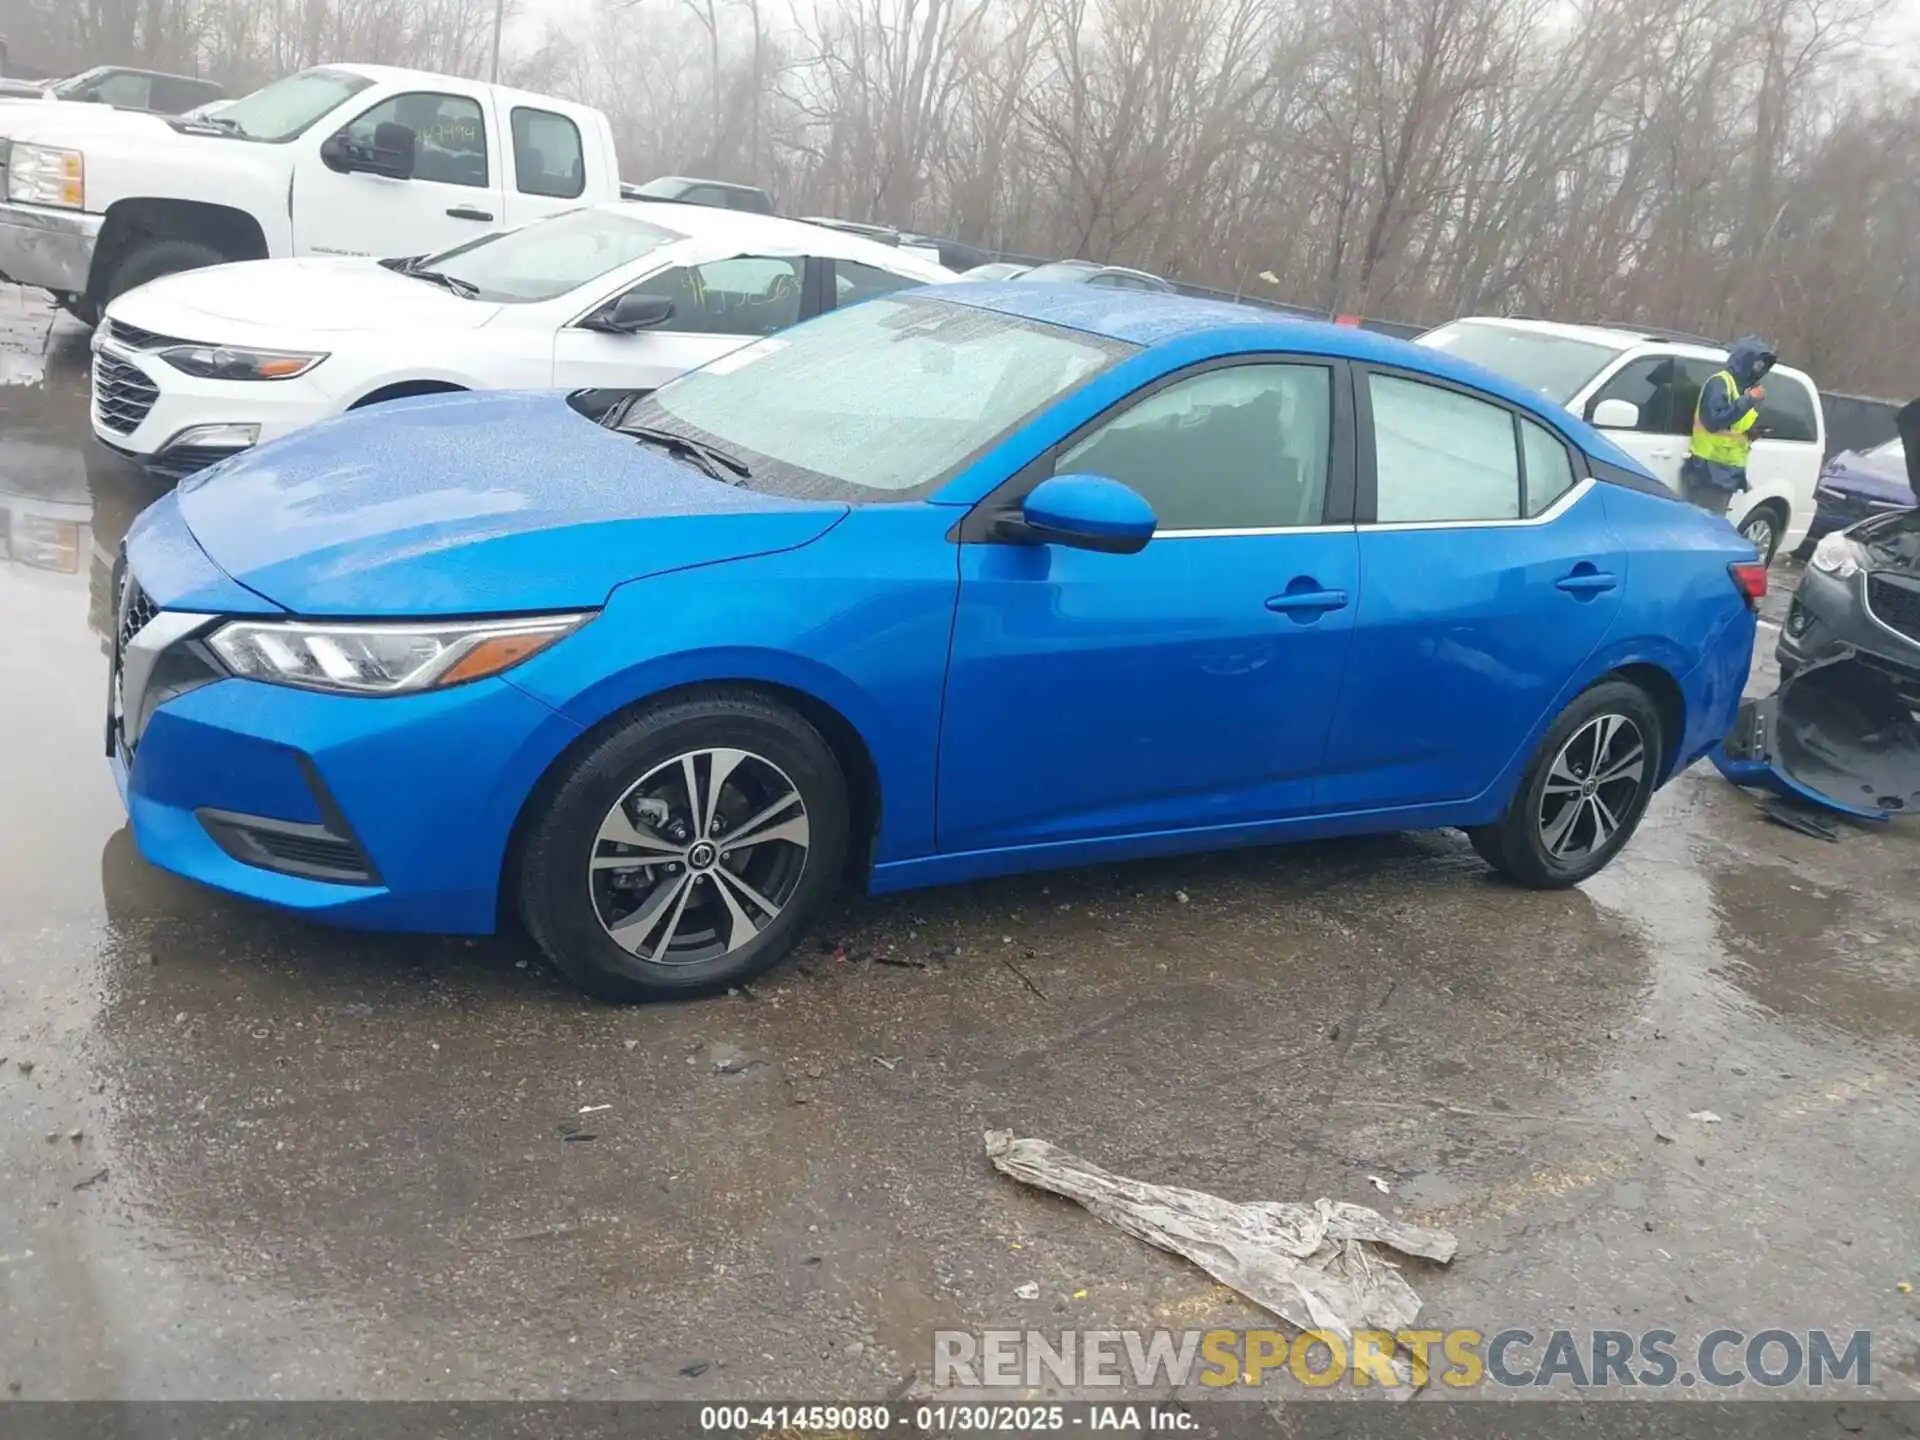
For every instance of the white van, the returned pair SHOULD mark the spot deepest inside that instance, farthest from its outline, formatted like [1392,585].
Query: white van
[1640,387]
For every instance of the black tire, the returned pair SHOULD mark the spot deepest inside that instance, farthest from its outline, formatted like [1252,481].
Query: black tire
[1517,845]
[565,901]
[155,258]
[1775,526]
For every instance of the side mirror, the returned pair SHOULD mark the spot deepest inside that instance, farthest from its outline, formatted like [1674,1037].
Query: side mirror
[391,154]
[1088,512]
[1616,415]
[632,312]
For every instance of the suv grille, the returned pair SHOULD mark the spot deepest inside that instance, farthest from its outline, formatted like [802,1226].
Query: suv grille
[122,393]
[1894,605]
[134,338]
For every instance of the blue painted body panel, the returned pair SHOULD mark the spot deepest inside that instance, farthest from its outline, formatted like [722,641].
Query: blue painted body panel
[1022,706]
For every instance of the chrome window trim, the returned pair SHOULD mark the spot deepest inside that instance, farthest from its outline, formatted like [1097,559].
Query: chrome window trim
[1551,513]
[1346,529]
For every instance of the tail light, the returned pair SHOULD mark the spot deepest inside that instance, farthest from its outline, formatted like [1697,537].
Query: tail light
[1750,579]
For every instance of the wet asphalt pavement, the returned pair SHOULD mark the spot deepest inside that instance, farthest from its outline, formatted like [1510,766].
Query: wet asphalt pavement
[241,1156]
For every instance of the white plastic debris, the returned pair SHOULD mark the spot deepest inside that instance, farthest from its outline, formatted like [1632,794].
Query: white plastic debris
[1705,1117]
[1028,1291]
[1306,1263]
[1378,1184]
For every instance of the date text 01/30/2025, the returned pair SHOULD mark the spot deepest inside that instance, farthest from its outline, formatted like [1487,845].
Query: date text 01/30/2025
[821,1421]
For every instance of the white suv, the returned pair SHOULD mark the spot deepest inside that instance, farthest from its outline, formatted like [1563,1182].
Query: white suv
[1640,387]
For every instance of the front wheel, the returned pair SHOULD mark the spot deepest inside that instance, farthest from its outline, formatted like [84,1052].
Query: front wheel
[687,850]
[1763,528]
[1583,793]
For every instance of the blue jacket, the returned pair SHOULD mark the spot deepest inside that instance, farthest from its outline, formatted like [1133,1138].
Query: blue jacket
[1747,363]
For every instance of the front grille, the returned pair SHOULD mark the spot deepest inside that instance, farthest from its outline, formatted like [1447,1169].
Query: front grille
[122,393]
[136,609]
[134,338]
[1895,605]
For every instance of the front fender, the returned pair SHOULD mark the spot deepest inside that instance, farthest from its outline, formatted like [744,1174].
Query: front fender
[859,621]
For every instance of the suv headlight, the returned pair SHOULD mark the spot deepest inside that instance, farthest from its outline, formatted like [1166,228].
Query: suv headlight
[43,175]
[1837,555]
[237,362]
[384,659]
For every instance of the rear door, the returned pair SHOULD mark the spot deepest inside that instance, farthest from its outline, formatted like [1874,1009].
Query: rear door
[718,306]
[1185,687]
[1488,575]
[1788,449]
[453,195]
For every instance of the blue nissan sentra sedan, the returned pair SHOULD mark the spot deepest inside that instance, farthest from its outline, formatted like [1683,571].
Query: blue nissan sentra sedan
[947,584]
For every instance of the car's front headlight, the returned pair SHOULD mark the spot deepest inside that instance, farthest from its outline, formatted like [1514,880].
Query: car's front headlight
[387,659]
[1837,555]
[239,362]
[43,175]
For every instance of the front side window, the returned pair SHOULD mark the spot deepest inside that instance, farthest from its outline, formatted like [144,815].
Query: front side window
[1649,386]
[550,257]
[126,88]
[449,135]
[547,157]
[1440,455]
[880,399]
[1556,366]
[290,107]
[742,295]
[1240,448]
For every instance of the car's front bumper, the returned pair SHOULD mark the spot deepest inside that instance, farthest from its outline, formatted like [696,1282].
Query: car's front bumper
[391,813]
[46,247]
[174,423]
[1831,618]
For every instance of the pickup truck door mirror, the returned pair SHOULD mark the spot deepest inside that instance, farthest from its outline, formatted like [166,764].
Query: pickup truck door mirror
[390,155]
[632,312]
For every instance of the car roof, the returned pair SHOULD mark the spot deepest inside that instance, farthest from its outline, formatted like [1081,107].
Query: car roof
[1621,338]
[407,75]
[689,182]
[1149,319]
[792,237]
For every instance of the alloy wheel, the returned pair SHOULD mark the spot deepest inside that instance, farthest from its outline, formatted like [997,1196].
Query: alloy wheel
[1759,530]
[699,856]
[1591,787]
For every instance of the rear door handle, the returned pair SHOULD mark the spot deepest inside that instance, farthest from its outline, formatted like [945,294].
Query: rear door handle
[467,212]
[1586,582]
[1312,602]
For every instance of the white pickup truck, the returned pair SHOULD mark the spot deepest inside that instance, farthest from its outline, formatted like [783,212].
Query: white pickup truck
[338,160]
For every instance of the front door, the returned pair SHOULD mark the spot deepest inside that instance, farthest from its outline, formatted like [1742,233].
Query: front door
[1186,687]
[718,306]
[453,195]
[1488,575]
[1663,389]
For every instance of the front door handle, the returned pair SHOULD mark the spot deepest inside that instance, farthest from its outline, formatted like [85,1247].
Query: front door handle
[467,212]
[1307,602]
[1586,581]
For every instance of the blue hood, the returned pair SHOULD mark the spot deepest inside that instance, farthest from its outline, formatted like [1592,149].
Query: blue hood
[472,504]
[1749,360]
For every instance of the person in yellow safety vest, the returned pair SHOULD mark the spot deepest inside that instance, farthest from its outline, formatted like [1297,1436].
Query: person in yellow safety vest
[1723,418]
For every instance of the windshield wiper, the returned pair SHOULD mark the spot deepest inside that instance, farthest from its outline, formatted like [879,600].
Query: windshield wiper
[465,289]
[717,463]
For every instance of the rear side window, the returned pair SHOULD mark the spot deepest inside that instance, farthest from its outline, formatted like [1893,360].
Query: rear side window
[1440,455]
[547,155]
[854,282]
[124,88]
[1787,413]
[1549,469]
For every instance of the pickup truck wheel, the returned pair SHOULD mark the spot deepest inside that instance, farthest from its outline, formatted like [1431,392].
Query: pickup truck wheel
[156,258]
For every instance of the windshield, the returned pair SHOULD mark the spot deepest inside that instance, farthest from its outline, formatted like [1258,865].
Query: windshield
[875,401]
[549,257]
[287,107]
[1551,364]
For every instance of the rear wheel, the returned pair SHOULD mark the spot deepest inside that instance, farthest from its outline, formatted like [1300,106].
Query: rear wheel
[1583,793]
[687,850]
[1764,526]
